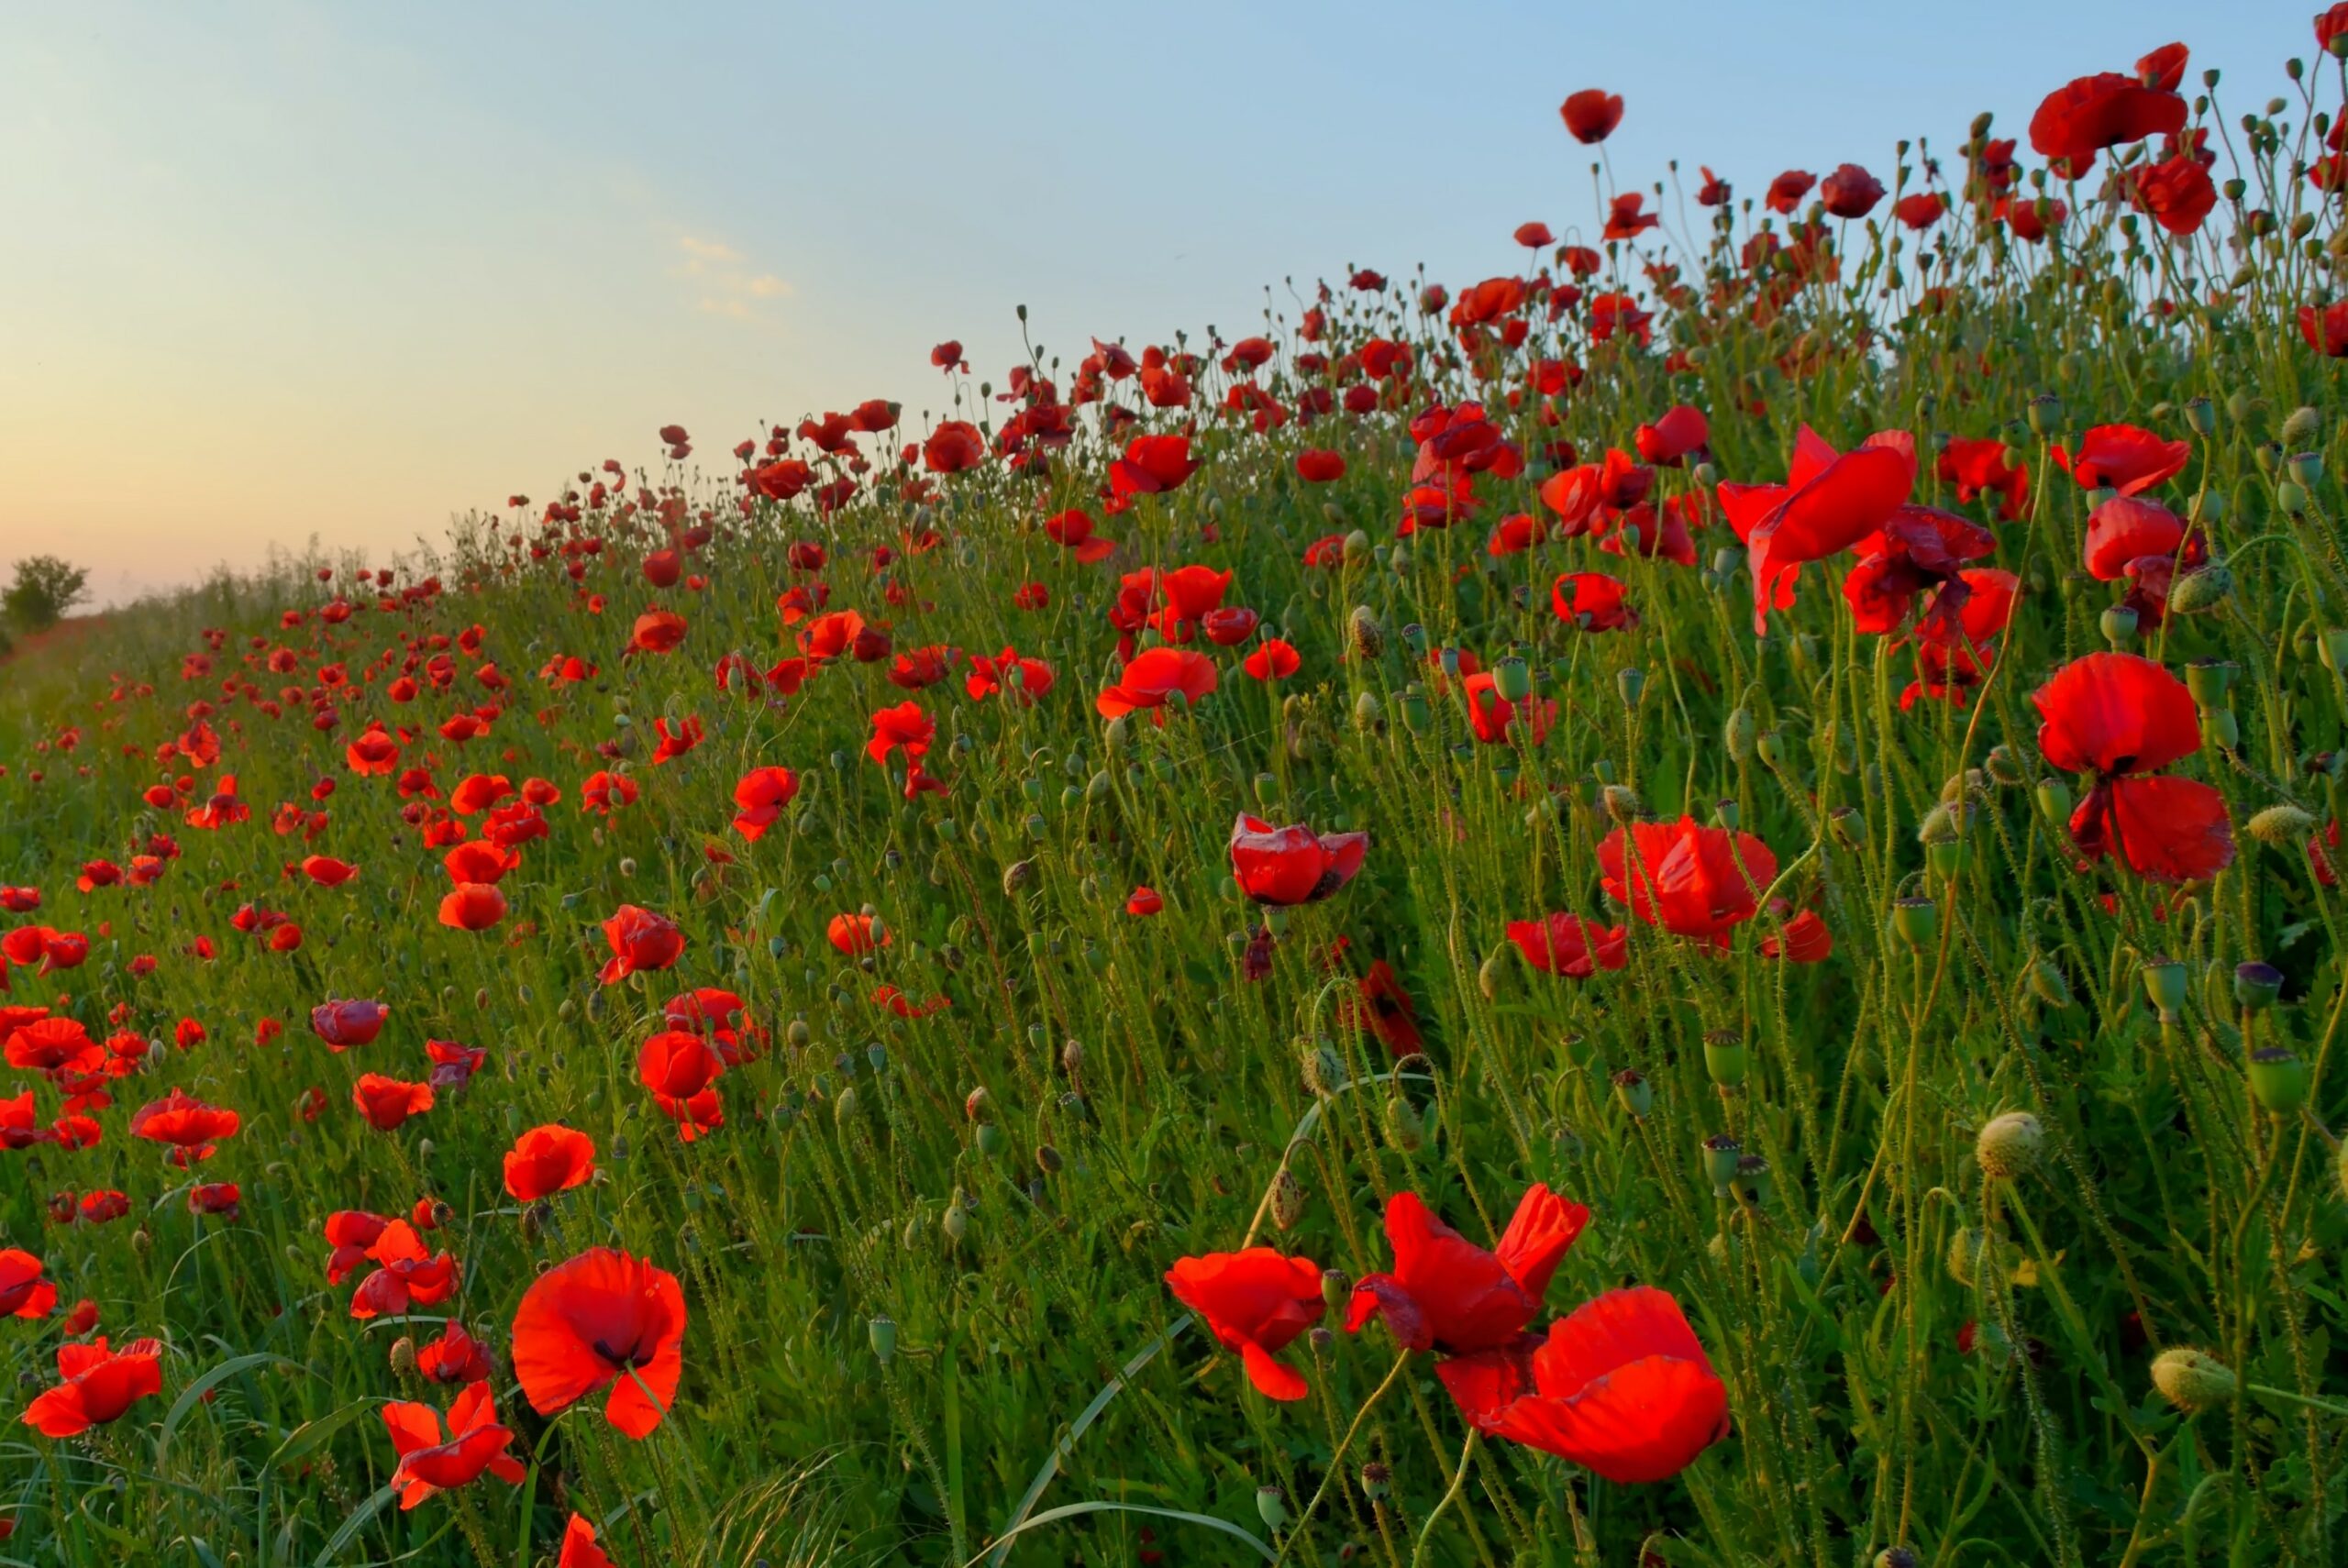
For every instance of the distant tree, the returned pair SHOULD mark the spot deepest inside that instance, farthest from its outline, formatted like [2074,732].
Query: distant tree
[45,589]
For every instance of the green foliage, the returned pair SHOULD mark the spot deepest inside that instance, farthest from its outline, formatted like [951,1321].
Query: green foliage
[43,589]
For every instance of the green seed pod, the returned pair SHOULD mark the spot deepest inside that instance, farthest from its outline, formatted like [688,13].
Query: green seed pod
[1754,1184]
[1512,678]
[2118,624]
[883,1333]
[1418,714]
[2278,1080]
[2193,1380]
[988,1139]
[2202,415]
[1721,1154]
[2208,679]
[2257,985]
[2222,729]
[1918,922]
[2008,1146]
[2054,799]
[2165,982]
[1273,1509]
[1634,1093]
[1726,1060]
[1336,1289]
[1629,683]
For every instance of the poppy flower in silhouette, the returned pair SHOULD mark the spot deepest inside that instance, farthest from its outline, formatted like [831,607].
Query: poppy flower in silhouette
[2089,113]
[1152,465]
[548,1159]
[193,1129]
[1154,678]
[100,1385]
[1288,866]
[1829,502]
[23,1292]
[1254,1302]
[1569,945]
[343,1024]
[759,797]
[1591,115]
[1622,1388]
[1446,1292]
[640,940]
[603,1319]
[948,356]
[1850,191]
[431,1462]
[1691,880]
[2122,458]
[2121,718]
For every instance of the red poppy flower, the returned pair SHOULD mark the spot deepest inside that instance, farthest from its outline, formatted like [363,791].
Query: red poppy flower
[578,1547]
[2119,717]
[99,1386]
[1591,115]
[56,1045]
[1381,1006]
[192,1128]
[1788,189]
[352,1233]
[1274,659]
[1316,466]
[1154,677]
[548,1159]
[603,1319]
[1288,866]
[326,871]
[1007,671]
[1978,468]
[1490,714]
[430,1463]
[1829,502]
[2177,192]
[674,744]
[657,631]
[1152,465]
[1691,880]
[2122,458]
[388,1102]
[472,906]
[1144,902]
[677,1063]
[1447,1293]
[2086,115]
[1073,529]
[1680,431]
[759,797]
[854,935]
[1806,941]
[220,1198]
[1622,1386]
[1920,210]
[902,728]
[23,1292]
[453,1356]
[406,1274]
[640,940]
[1592,601]
[1255,1302]
[343,1024]
[1850,191]
[2326,326]
[1569,945]
[1921,550]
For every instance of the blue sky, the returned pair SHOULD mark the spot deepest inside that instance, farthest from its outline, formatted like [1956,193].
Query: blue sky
[277,269]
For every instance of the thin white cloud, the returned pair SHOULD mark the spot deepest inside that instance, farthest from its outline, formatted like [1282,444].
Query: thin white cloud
[724,283]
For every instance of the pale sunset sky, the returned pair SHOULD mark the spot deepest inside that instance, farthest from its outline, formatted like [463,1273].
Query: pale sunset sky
[274,270]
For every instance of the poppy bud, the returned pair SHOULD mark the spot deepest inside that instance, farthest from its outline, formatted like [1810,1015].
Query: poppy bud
[1489,974]
[627,865]
[1363,631]
[2008,1145]
[1336,1289]
[1367,711]
[2278,1080]
[2193,1380]
[2047,984]
[1622,803]
[1324,1070]
[1845,821]
[2256,985]
[1771,749]
[2165,986]
[1637,1095]
[2281,826]
[1721,1153]
[843,1109]
[1964,1257]
[1273,1509]
[1288,1199]
[2291,498]
[883,1333]
[1917,920]
[1725,1058]
[1017,877]
[1357,547]
[955,1224]
[1047,1159]
[402,1357]
[988,1139]
[2001,766]
[2199,592]
[1404,1127]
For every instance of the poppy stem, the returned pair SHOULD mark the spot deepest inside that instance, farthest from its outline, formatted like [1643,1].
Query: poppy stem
[1459,1480]
[1336,1461]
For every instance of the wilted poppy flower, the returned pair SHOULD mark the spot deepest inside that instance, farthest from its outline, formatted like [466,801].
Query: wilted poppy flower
[1829,502]
[1255,1302]
[1153,677]
[192,1128]
[1447,1293]
[430,1463]
[1691,880]
[1293,864]
[23,1292]
[759,797]
[1591,115]
[2122,458]
[1622,1388]
[2086,115]
[548,1159]
[1921,550]
[603,1319]
[388,1102]
[2119,718]
[640,940]
[343,1024]
[1569,945]
[99,1386]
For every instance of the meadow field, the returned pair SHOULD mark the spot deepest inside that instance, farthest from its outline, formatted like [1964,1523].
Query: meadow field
[1673,908]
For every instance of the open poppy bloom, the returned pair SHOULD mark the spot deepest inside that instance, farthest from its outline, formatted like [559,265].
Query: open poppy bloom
[388,1102]
[406,1276]
[1592,601]
[759,797]
[99,1386]
[1622,1386]
[23,1292]
[1829,502]
[578,1547]
[1446,1292]
[2119,718]
[603,1319]
[2086,115]
[1382,1006]
[548,1159]
[1691,880]
[430,1461]
[1293,864]
[1591,115]
[342,1024]
[639,940]
[1153,678]
[2122,458]
[1569,945]
[1255,1302]
[453,1356]
[472,906]
[1921,550]
[1152,465]
[192,1128]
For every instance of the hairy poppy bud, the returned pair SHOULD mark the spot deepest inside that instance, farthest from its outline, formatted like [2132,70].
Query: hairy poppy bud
[2301,427]
[1047,1159]
[1367,713]
[2256,985]
[2008,1145]
[2282,826]
[989,1138]
[1018,876]
[2165,985]
[2001,765]
[2193,1380]
[1288,1199]
[402,1357]
[955,1223]
[1771,749]
[1404,1127]
[1963,1260]
[1364,633]
[1622,803]
[2047,984]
